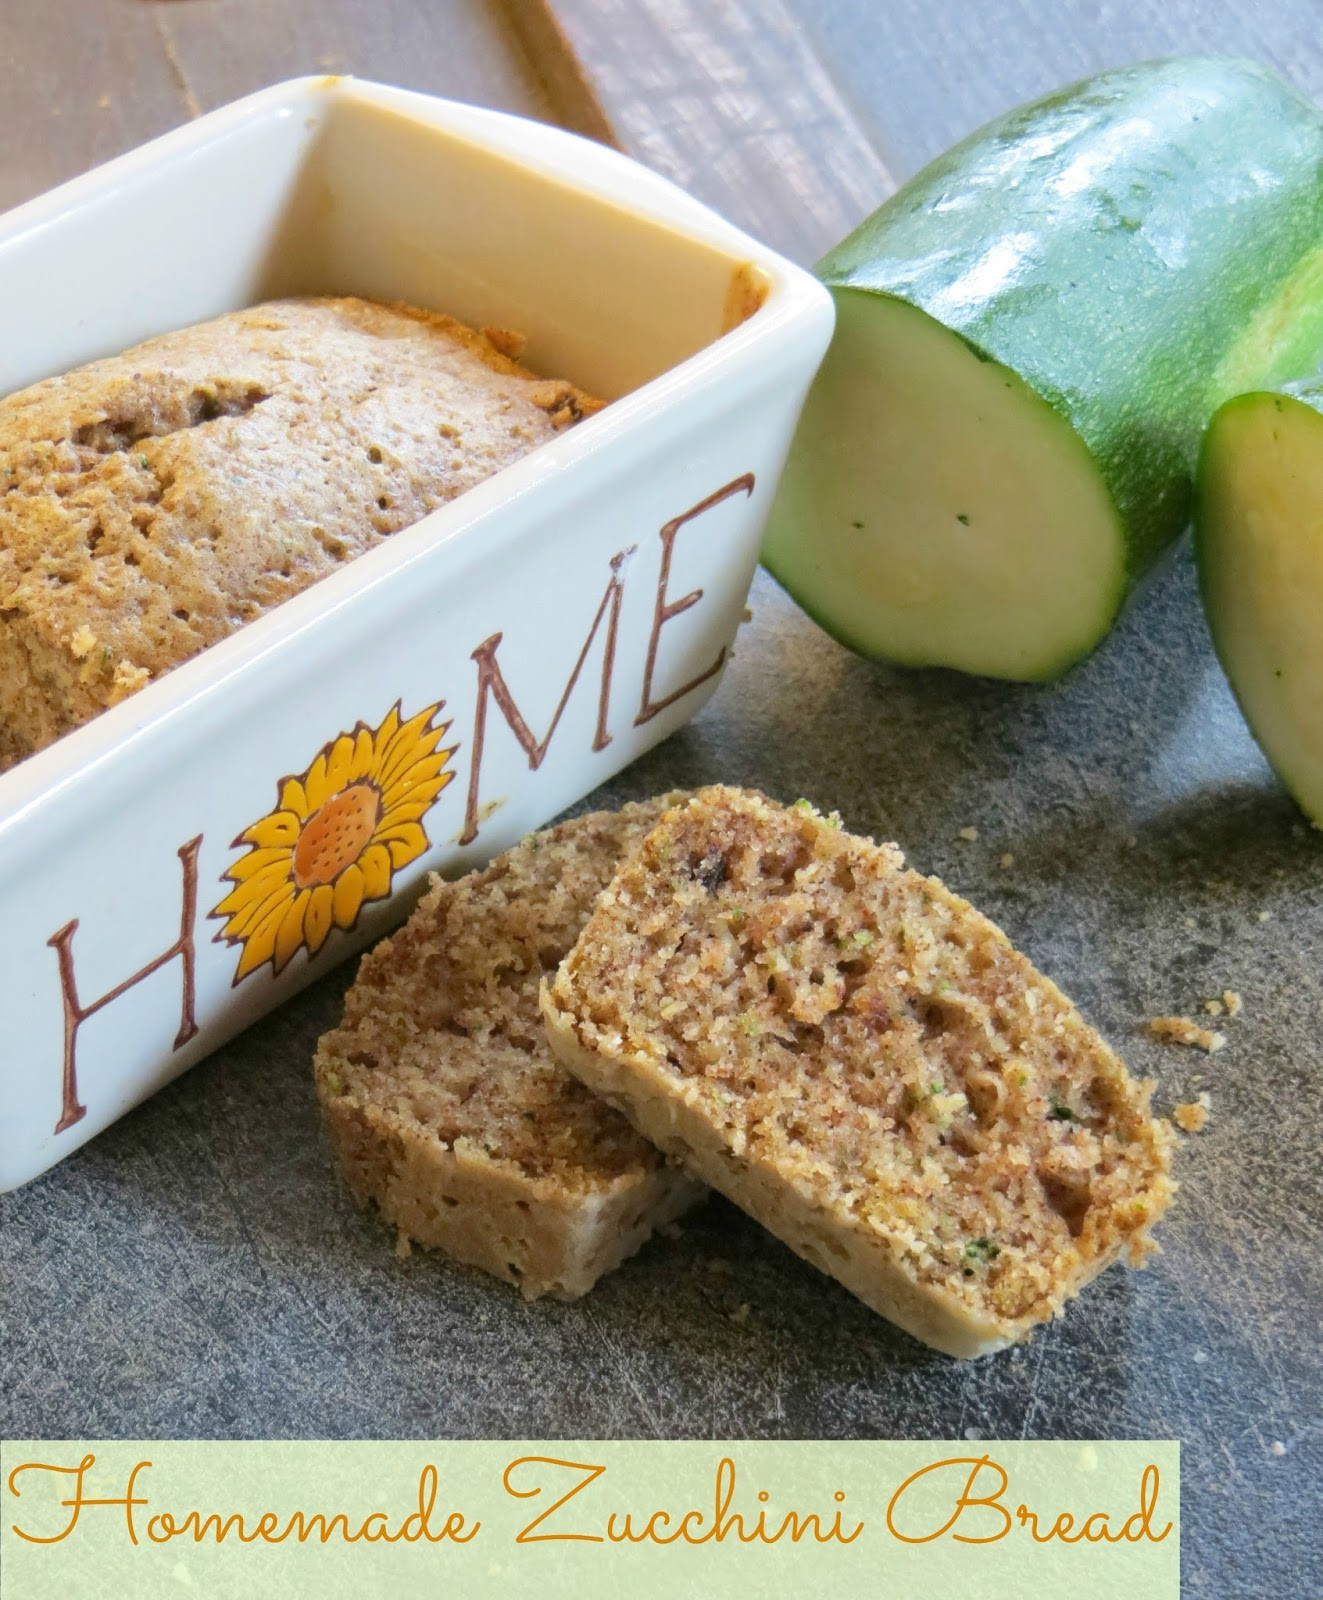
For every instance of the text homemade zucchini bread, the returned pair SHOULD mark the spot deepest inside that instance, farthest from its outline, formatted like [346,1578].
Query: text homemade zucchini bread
[443,1102]
[154,502]
[860,1060]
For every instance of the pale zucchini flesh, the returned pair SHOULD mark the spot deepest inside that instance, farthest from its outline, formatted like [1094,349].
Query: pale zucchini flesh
[1260,549]
[938,511]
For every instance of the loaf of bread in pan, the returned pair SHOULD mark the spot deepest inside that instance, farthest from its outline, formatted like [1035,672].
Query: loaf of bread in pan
[443,1103]
[860,1059]
[154,502]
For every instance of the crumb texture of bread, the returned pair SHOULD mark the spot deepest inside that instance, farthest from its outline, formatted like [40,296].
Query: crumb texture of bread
[154,502]
[864,1063]
[1192,1115]
[1186,1031]
[443,1102]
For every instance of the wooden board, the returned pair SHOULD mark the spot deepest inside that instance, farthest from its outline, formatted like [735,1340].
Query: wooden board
[87,79]
[728,99]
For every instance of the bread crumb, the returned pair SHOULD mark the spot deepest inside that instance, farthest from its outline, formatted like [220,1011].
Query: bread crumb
[1191,923]
[1232,1001]
[1008,861]
[1214,1008]
[128,680]
[969,835]
[82,642]
[1265,916]
[747,614]
[1183,1030]
[1192,1115]
[1278,1448]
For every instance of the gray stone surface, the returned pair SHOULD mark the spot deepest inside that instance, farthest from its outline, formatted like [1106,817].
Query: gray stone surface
[198,1271]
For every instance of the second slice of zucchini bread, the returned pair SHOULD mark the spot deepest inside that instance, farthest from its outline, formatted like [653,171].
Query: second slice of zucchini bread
[443,1103]
[861,1061]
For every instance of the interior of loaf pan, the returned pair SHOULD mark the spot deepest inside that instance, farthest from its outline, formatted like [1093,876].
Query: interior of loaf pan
[330,186]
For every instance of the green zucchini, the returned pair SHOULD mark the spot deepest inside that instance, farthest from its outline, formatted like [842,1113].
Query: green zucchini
[1259,544]
[1031,336]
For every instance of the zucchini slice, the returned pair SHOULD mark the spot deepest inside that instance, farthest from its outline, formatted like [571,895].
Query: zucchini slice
[1031,337]
[1259,542]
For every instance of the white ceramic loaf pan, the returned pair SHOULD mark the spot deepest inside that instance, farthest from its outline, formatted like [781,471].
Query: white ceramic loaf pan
[555,621]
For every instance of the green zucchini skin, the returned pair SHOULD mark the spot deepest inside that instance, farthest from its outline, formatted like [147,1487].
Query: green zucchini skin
[1134,249]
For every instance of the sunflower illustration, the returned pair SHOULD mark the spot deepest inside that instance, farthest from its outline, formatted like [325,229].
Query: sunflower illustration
[338,834]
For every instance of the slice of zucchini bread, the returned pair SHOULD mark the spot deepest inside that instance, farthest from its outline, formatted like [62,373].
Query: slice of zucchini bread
[860,1059]
[443,1103]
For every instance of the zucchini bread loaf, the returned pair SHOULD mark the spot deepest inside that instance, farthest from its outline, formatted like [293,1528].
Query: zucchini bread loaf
[443,1102]
[154,502]
[860,1060]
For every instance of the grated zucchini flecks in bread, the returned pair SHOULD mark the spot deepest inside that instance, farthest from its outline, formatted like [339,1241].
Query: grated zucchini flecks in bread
[443,1102]
[861,1060]
[154,502]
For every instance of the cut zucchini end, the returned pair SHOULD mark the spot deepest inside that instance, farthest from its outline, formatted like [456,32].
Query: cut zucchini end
[1259,546]
[936,511]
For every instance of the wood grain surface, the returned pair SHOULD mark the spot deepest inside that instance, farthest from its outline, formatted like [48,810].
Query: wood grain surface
[87,79]
[727,98]
[197,1270]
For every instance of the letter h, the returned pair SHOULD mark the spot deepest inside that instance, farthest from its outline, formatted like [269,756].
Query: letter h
[76,1014]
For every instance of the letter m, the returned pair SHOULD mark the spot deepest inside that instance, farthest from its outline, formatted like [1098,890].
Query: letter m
[492,686]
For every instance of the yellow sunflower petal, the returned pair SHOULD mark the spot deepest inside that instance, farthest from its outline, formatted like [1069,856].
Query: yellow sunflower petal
[314,784]
[404,752]
[337,767]
[294,797]
[407,811]
[405,807]
[411,741]
[428,790]
[416,788]
[386,732]
[375,866]
[258,886]
[257,861]
[252,922]
[317,921]
[258,948]
[405,843]
[246,908]
[410,776]
[409,731]
[238,900]
[347,896]
[280,828]
[364,754]
[289,930]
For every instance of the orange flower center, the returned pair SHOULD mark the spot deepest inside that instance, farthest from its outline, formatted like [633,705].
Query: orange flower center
[335,835]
